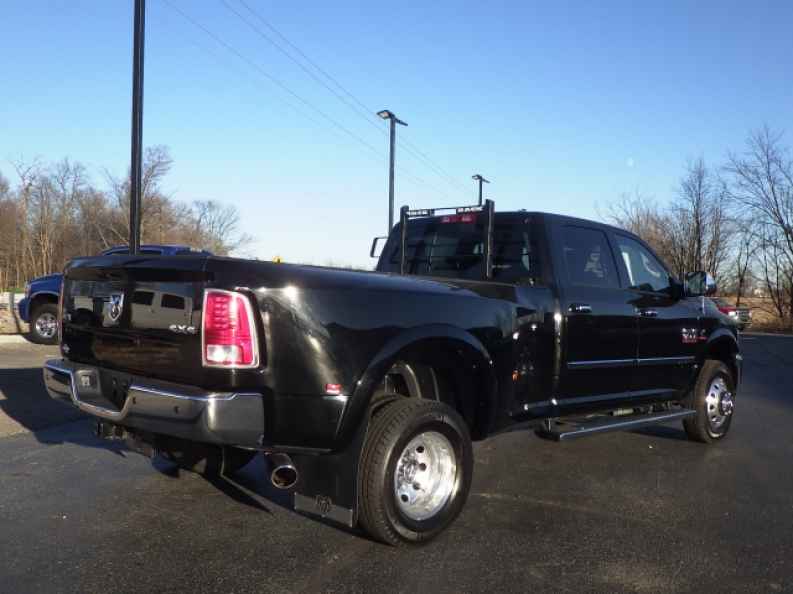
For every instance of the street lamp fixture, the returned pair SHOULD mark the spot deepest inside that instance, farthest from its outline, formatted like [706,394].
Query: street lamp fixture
[481,180]
[393,121]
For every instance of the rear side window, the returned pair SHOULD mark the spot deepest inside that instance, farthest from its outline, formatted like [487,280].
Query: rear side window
[142,297]
[453,247]
[172,301]
[588,258]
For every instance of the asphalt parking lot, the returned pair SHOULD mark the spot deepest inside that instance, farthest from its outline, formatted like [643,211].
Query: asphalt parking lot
[645,511]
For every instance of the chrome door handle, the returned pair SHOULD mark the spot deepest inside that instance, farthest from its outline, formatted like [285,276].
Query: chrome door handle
[648,313]
[580,308]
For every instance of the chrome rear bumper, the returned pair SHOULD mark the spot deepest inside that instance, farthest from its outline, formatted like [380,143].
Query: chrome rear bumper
[227,418]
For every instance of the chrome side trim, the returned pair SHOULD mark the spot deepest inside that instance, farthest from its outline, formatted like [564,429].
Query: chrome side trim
[606,363]
[601,363]
[665,361]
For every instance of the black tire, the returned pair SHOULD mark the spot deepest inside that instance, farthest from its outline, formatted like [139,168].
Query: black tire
[392,428]
[701,427]
[204,459]
[42,330]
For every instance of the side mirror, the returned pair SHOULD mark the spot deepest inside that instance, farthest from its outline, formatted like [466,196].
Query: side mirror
[677,289]
[378,243]
[700,284]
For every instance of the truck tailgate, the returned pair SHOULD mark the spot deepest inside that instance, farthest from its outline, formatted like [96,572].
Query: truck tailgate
[138,314]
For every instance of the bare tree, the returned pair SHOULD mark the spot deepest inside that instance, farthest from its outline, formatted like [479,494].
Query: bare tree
[762,182]
[217,226]
[700,229]
[53,213]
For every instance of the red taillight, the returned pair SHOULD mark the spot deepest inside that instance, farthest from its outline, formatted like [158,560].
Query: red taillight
[228,331]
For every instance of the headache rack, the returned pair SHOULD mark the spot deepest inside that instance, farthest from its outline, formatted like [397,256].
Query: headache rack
[488,209]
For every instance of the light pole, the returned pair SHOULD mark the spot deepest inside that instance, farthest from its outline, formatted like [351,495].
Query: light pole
[481,180]
[387,115]
[137,127]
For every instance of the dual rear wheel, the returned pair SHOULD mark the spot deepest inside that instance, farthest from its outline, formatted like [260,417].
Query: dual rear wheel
[415,473]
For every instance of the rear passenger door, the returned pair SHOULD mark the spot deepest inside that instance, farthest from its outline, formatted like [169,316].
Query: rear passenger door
[599,324]
[668,326]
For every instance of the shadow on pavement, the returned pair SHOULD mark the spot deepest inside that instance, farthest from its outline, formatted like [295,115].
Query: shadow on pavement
[24,400]
[663,431]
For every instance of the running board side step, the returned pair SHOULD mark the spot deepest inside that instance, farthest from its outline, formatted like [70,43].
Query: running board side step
[568,430]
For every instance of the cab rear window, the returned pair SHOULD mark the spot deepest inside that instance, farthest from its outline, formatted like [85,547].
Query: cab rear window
[453,247]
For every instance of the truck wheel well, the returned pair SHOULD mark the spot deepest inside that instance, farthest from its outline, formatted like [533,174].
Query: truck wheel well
[442,370]
[41,299]
[724,350]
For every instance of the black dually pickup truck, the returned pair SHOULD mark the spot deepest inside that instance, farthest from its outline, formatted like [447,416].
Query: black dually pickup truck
[364,390]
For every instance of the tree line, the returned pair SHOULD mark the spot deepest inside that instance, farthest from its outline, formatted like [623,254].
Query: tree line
[52,212]
[734,220]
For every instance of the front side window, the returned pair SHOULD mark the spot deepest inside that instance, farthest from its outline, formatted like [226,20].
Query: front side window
[645,271]
[588,258]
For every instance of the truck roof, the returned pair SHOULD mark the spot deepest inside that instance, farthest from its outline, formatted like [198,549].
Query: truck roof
[554,216]
[566,219]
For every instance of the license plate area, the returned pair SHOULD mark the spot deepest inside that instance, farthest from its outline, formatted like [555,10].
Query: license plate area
[101,387]
[115,386]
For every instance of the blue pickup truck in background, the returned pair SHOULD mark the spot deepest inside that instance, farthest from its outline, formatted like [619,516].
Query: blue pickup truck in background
[39,308]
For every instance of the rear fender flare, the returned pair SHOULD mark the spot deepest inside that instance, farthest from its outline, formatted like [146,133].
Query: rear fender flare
[389,354]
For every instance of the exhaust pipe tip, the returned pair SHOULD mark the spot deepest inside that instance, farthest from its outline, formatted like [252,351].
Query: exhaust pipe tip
[283,475]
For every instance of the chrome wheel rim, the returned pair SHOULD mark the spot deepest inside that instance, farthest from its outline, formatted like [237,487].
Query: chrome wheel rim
[718,403]
[46,325]
[425,475]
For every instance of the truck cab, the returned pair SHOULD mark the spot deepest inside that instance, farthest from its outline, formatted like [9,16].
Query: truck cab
[625,331]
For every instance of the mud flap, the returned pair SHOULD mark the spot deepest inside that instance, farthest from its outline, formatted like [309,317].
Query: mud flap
[328,483]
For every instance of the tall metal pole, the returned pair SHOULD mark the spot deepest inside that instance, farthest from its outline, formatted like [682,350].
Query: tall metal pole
[481,181]
[391,176]
[136,165]
[393,121]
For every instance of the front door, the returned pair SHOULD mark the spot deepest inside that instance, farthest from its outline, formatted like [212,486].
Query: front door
[599,324]
[668,326]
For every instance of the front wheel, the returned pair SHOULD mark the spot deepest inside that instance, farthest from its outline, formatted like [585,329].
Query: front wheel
[416,470]
[714,401]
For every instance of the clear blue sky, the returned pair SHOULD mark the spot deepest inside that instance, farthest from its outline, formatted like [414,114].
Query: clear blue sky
[564,106]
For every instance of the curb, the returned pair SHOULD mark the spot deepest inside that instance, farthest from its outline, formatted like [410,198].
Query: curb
[13,339]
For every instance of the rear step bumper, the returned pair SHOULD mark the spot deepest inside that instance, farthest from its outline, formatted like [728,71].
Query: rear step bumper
[564,431]
[229,418]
